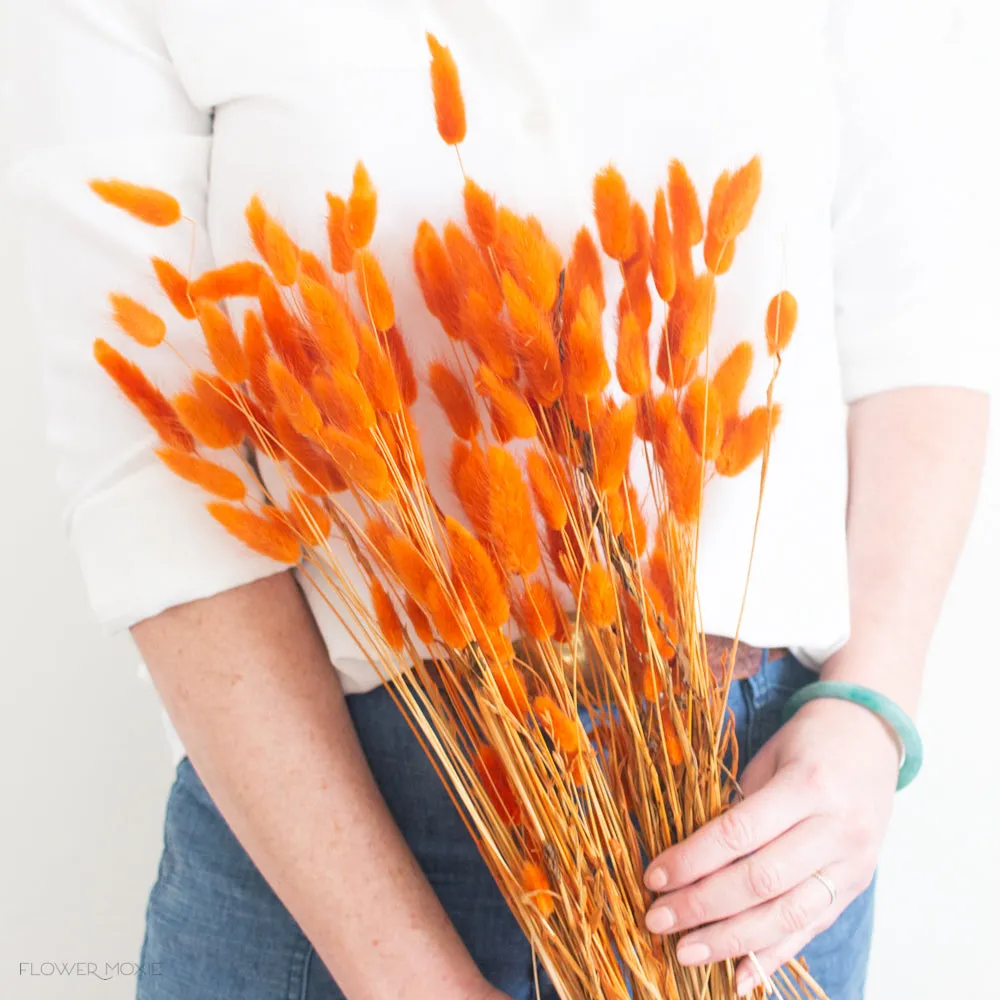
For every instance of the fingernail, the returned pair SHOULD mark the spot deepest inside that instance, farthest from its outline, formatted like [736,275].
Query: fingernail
[656,879]
[661,919]
[693,954]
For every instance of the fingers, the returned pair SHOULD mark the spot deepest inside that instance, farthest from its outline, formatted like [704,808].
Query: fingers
[748,882]
[745,828]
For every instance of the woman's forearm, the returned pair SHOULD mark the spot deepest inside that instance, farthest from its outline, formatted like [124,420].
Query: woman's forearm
[916,458]
[247,682]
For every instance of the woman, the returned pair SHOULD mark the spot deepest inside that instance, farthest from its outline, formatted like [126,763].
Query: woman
[309,850]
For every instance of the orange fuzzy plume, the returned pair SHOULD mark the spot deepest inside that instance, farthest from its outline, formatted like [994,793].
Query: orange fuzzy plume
[140,323]
[437,280]
[586,367]
[684,209]
[745,440]
[374,290]
[376,373]
[449,107]
[493,777]
[680,462]
[583,271]
[549,497]
[402,365]
[732,204]
[513,691]
[675,369]
[311,467]
[661,261]
[409,565]
[280,252]
[210,477]
[441,607]
[690,321]
[730,378]
[565,732]
[157,208]
[474,568]
[362,207]
[227,403]
[635,524]
[206,426]
[144,396]
[508,409]
[672,743]
[175,285]
[469,481]
[387,618]
[256,216]
[470,269]
[341,252]
[782,315]
[613,446]
[257,351]
[613,212]
[224,346]
[343,402]
[523,250]
[702,413]
[266,535]
[660,579]
[454,398]
[241,278]
[312,267]
[535,344]
[600,607]
[512,528]
[294,400]
[632,364]
[488,335]
[535,885]
[359,463]
[537,611]
[330,324]
[480,213]
[308,518]
[286,333]
[420,622]
[616,512]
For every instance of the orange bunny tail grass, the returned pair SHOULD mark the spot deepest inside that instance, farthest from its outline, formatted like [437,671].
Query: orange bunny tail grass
[702,413]
[341,252]
[586,367]
[782,315]
[157,208]
[510,412]
[449,107]
[731,377]
[600,606]
[312,468]
[387,618]
[144,396]
[690,320]
[661,257]
[402,365]
[268,536]
[613,446]
[472,272]
[469,481]
[294,401]
[374,290]
[441,608]
[661,579]
[312,267]
[330,324]
[240,278]
[408,564]
[421,623]
[359,463]
[733,203]
[175,286]
[212,478]
[480,213]
[206,426]
[343,402]
[376,373]
[634,532]
[437,280]
[583,270]
[674,368]
[474,568]
[535,885]
[140,323]
[286,333]
[615,503]
[308,518]
[613,213]
[280,253]
[493,777]
[745,440]
[512,528]
[224,346]
[256,216]
[565,732]
[688,226]
[488,335]
[632,364]
[454,398]
[257,351]
[537,612]
[680,462]
[535,344]
[549,497]
[513,692]
[523,250]
[362,208]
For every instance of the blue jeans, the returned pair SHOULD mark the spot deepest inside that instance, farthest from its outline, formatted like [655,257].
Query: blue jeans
[216,931]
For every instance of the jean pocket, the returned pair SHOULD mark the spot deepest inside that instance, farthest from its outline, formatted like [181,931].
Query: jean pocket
[787,675]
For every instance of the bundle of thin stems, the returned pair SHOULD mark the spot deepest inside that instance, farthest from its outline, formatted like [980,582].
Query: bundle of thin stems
[546,647]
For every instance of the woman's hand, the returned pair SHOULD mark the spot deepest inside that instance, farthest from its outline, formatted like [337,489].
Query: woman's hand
[817,799]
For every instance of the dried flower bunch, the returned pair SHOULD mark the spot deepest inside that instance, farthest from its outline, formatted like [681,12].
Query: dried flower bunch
[547,646]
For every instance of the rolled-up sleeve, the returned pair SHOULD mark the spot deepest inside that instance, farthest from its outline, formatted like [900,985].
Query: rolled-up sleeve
[910,274]
[96,96]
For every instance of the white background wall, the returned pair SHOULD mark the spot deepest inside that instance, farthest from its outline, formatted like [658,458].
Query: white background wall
[84,767]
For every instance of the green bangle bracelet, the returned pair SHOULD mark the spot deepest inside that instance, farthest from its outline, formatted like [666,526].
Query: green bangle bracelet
[885,708]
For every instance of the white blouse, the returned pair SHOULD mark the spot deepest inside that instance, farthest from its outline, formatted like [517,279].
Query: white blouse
[851,104]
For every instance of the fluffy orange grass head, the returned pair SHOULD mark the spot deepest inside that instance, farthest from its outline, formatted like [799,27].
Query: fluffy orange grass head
[513,691]
[279,252]
[468,472]
[374,290]
[732,203]
[586,367]
[443,614]
[449,106]
[634,532]
[488,335]
[535,344]
[480,213]
[286,333]
[376,373]
[455,400]
[212,478]
[550,497]
[175,286]
[688,227]
[140,323]
[745,440]
[294,401]
[613,445]
[632,363]
[361,210]
[600,604]
[526,254]
[239,278]
[257,351]
[206,426]
[268,536]
[565,731]
[422,627]
[512,527]
[661,257]
[330,324]
[535,886]
[308,517]
[402,364]
[691,311]
[782,315]
[470,268]
[144,396]
[150,205]
[583,270]
[680,462]
[344,402]
[359,463]
[341,251]
[410,567]
[387,618]
[731,377]
[536,610]
[312,468]
[702,414]
[437,280]
[509,411]
[492,775]
[613,214]
[474,569]
[224,348]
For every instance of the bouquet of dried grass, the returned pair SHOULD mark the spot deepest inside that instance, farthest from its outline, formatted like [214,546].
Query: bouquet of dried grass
[546,649]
